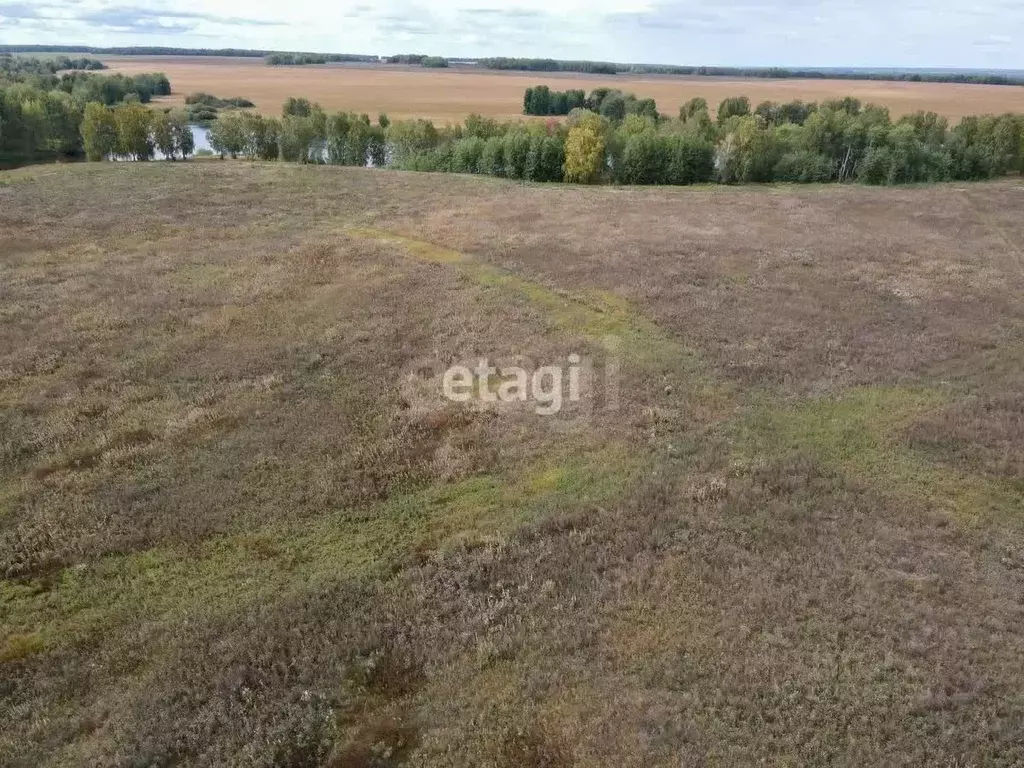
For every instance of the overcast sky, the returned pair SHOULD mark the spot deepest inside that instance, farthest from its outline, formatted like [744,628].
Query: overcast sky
[921,33]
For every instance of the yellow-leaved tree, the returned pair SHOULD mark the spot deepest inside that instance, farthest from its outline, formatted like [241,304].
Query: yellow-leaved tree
[585,152]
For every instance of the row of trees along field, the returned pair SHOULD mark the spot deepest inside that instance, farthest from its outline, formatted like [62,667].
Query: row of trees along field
[300,59]
[49,65]
[135,132]
[774,73]
[838,140]
[41,110]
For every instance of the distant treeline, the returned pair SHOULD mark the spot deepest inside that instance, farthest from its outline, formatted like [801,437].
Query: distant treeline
[136,50]
[418,58]
[49,65]
[609,68]
[297,59]
[553,65]
[540,64]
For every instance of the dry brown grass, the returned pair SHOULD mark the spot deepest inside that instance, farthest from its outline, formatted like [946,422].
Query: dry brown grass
[449,95]
[240,526]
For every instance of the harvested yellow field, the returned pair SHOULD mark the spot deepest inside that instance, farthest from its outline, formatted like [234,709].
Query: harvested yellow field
[450,95]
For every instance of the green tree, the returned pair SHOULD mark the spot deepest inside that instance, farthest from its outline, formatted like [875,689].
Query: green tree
[99,131]
[613,106]
[691,159]
[692,107]
[482,127]
[296,107]
[229,135]
[515,153]
[181,133]
[644,160]
[737,106]
[134,139]
[466,154]
[492,157]
[163,136]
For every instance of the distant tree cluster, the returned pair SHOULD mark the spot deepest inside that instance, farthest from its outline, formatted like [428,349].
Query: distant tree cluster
[541,100]
[88,85]
[609,102]
[420,59]
[30,65]
[299,59]
[41,114]
[406,58]
[204,108]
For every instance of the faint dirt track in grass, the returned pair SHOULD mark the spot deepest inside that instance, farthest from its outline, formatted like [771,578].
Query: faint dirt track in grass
[245,527]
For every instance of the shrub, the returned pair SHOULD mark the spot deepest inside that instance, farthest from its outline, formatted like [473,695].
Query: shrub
[466,154]
[803,166]
[644,160]
[690,160]
[492,158]
[515,153]
[546,158]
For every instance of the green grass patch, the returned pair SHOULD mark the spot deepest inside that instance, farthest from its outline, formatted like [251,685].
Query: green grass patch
[166,584]
[862,433]
[18,647]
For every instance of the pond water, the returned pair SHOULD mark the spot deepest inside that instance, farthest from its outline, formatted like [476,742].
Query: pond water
[200,136]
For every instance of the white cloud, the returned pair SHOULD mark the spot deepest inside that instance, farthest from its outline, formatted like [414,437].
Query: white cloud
[986,34]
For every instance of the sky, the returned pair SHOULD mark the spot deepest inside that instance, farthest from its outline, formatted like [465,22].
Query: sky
[984,34]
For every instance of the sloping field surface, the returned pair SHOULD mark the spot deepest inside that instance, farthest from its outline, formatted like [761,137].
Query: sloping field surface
[240,524]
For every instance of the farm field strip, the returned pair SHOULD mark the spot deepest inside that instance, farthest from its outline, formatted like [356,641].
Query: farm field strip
[450,95]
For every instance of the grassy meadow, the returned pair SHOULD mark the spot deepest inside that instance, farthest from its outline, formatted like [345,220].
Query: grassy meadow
[240,524]
[449,95]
